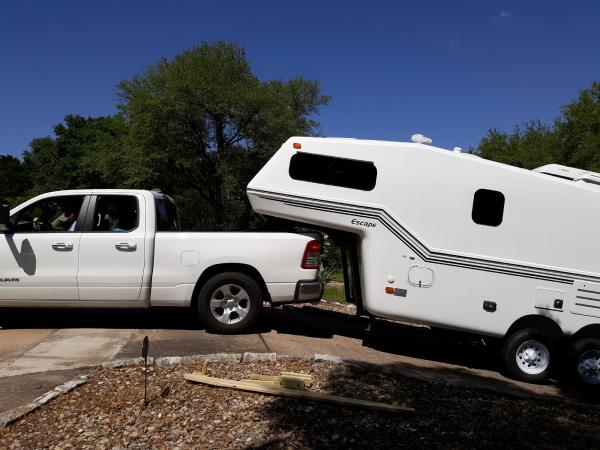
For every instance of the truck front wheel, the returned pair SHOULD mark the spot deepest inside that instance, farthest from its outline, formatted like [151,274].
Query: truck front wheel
[230,302]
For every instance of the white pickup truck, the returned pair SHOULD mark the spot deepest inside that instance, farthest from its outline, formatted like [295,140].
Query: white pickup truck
[123,248]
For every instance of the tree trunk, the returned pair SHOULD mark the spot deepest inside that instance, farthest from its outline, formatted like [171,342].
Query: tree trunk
[217,181]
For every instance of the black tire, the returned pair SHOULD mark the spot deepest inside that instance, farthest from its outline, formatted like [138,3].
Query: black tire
[214,287]
[527,355]
[585,374]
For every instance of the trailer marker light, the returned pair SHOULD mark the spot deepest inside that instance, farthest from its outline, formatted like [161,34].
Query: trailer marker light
[297,145]
[389,290]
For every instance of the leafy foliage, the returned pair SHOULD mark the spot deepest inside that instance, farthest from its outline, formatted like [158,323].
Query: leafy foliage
[331,260]
[573,139]
[86,153]
[207,118]
[14,178]
[579,131]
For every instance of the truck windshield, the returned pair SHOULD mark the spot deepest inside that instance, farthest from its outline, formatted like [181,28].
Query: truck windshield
[166,214]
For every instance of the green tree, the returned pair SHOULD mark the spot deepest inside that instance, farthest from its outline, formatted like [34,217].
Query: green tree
[530,146]
[15,180]
[85,152]
[202,124]
[579,130]
[572,140]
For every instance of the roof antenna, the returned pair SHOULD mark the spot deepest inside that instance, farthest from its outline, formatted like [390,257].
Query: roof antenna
[420,139]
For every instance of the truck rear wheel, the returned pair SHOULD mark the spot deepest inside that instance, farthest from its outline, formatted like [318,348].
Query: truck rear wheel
[230,302]
[526,355]
[584,363]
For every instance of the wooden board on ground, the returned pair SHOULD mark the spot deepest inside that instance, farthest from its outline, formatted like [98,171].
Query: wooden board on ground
[258,376]
[286,379]
[295,393]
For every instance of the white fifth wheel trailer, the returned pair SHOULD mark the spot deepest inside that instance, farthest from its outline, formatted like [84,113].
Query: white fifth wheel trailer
[455,241]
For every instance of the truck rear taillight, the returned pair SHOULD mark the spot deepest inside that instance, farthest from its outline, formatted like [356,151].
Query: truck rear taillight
[312,255]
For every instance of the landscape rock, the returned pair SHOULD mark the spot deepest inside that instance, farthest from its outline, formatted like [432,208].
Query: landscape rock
[128,362]
[256,357]
[328,358]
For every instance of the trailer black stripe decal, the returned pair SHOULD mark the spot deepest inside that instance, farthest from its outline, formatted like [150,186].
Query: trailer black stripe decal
[446,262]
[418,247]
[588,298]
[587,306]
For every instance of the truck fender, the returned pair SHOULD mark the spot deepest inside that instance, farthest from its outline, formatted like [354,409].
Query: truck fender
[215,269]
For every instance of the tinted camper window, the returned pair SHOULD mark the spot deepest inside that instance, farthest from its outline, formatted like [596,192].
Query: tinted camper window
[348,173]
[488,207]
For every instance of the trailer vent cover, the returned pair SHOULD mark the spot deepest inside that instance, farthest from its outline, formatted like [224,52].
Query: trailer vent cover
[587,299]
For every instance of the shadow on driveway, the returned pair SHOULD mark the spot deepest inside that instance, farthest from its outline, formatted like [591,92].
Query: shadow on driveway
[54,318]
[385,336]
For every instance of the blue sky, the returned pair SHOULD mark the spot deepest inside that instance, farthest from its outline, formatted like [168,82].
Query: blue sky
[449,70]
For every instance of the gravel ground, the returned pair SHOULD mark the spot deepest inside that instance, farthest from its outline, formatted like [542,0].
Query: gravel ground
[108,412]
[326,305]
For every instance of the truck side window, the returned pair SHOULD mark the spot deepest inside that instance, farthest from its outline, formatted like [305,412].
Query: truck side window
[488,207]
[166,214]
[115,213]
[333,171]
[55,214]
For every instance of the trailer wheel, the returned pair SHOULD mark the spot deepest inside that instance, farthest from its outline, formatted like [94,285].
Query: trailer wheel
[584,362]
[230,302]
[526,355]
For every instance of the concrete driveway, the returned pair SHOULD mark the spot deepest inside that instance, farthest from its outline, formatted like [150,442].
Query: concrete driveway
[42,348]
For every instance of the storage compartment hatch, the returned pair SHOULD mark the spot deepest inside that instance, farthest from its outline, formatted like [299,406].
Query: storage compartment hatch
[420,276]
[550,299]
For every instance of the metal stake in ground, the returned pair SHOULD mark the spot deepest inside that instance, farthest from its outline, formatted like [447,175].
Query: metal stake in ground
[145,346]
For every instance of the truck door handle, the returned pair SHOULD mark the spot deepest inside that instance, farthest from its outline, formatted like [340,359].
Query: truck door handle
[125,247]
[62,247]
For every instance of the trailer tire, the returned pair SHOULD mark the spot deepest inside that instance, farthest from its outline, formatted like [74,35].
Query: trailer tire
[583,363]
[526,354]
[229,303]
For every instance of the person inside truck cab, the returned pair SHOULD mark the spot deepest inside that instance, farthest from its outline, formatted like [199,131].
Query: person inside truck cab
[115,213]
[68,219]
[57,214]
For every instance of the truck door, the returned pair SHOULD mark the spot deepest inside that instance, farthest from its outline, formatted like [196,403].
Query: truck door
[111,254]
[38,257]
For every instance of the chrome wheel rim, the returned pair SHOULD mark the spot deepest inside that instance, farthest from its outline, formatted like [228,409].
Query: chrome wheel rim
[229,304]
[588,367]
[532,357]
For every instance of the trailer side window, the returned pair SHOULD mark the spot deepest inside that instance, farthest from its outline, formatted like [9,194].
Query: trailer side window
[488,207]
[333,171]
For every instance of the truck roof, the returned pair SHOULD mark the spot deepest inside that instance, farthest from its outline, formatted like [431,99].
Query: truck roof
[102,191]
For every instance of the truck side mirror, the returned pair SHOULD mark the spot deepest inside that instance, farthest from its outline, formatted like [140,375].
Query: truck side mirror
[5,224]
